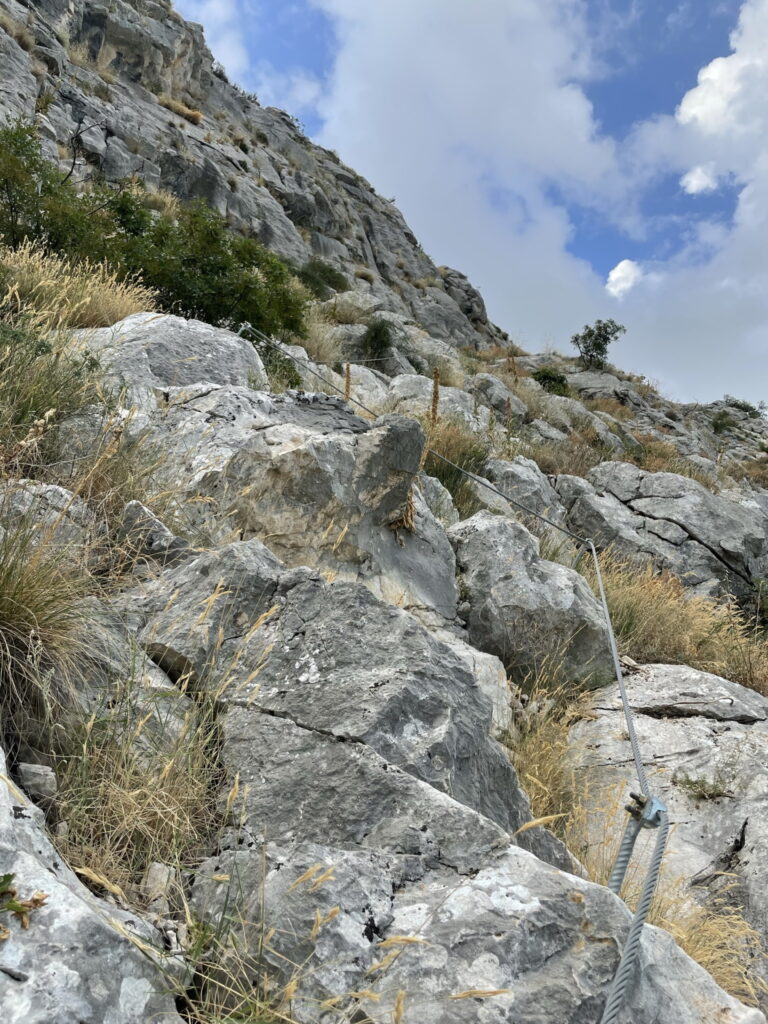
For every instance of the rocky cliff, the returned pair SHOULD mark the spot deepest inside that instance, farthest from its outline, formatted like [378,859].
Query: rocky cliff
[320,730]
[140,86]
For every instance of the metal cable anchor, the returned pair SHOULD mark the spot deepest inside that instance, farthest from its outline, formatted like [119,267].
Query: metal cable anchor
[644,812]
[646,809]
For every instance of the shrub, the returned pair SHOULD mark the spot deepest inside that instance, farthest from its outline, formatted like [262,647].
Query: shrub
[738,403]
[552,380]
[721,422]
[377,340]
[188,256]
[68,294]
[202,269]
[593,342]
[322,279]
[177,107]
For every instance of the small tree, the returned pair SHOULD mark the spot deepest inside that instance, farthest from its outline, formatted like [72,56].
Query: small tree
[593,341]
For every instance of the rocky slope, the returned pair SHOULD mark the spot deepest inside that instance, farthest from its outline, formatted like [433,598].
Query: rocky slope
[106,71]
[354,628]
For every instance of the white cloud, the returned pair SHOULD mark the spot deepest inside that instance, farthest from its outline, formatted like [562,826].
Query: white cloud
[223,21]
[623,278]
[699,179]
[296,91]
[482,129]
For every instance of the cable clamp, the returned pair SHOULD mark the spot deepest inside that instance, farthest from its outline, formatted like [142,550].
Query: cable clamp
[646,809]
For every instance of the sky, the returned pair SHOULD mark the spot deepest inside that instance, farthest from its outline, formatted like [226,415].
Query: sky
[575,158]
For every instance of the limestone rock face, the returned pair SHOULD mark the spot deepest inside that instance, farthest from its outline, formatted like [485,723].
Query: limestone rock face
[705,744]
[75,961]
[322,486]
[160,351]
[710,541]
[524,609]
[253,164]
[517,937]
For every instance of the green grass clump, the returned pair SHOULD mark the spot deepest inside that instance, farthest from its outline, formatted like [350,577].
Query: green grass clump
[322,279]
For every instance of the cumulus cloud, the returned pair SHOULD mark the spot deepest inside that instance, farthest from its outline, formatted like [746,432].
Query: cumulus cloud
[296,91]
[623,278]
[699,179]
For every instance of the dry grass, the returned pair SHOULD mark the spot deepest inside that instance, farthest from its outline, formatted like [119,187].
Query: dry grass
[755,472]
[177,107]
[17,31]
[575,456]
[455,441]
[656,620]
[41,636]
[66,294]
[612,406]
[130,797]
[163,202]
[657,456]
[43,377]
[320,343]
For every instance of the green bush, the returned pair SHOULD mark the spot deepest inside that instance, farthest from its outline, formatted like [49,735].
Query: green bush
[197,265]
[738,403]
[593,342]
[721,422]
[322,279]
[377,340]
[552,380]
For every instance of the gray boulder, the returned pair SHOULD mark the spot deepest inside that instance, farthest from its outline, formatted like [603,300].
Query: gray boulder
[515,938]
[523,609]
[159,351]
[704,742]
[710,541]
[322,486]
[523,481]
[494,393]
[411,395]
[76,960]
[32,511]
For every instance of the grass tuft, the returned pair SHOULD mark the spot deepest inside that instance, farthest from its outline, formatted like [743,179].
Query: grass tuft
[657,620]
[177,107]
[455,441]
[63,293]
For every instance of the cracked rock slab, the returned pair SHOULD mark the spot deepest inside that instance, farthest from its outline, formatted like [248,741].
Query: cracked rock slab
[705,745]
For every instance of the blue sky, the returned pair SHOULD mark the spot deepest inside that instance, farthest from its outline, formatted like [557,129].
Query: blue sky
[576,158]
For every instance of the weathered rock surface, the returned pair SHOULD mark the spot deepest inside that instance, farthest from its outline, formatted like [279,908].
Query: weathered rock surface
[705,746]
[523,609]
[545,942]
[710,541]
[75,961]
[34,511]
[159,351]
[411,394]
[321,485]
